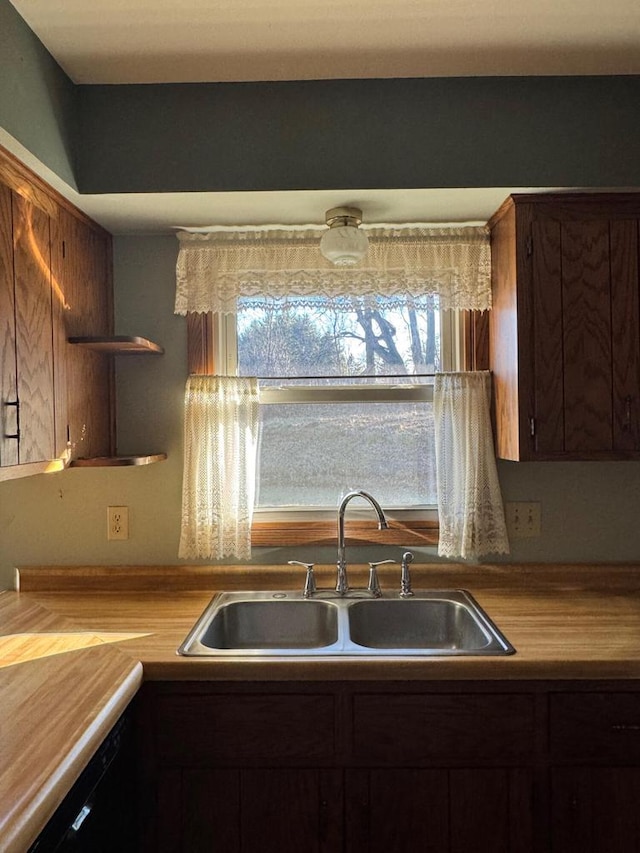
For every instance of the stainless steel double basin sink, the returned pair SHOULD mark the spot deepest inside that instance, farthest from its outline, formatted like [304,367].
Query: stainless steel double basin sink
[430,623]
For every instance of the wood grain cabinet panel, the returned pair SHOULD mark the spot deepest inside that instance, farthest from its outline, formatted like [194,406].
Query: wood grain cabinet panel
[595,810]
[565,329]
[268,810]
[8,377]
[595,727]
[226,729]
[452,728]
[337,769]
[26,347]
[594,746]
[82,307]
[443,810]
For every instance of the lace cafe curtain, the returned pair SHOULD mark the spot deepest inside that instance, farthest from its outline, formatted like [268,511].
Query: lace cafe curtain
[413,263]
[470,507]
[220,441]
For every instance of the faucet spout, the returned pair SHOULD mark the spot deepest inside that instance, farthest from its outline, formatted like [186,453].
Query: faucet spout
[342,582]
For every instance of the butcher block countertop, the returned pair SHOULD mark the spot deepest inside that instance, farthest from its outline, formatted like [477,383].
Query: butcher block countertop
[77,642]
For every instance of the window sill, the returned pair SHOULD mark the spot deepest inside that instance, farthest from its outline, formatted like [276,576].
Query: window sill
[286,533]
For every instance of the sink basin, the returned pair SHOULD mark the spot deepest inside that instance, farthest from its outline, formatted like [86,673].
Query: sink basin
[257,623]
[272,624]
[431,623]
[436,624]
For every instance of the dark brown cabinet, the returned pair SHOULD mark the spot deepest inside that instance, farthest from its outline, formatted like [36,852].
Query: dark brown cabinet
[256,810]
[595,775]
[325,769]
[565,326]
[368,767]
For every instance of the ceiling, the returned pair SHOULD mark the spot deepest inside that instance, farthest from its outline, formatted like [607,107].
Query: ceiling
[157,41]
[161,41]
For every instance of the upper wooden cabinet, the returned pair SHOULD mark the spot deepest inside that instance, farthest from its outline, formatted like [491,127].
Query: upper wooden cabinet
[565,326]
[55,282]
[25,332]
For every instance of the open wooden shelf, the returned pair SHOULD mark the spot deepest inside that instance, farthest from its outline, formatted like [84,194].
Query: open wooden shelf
[117,461]
[118,344]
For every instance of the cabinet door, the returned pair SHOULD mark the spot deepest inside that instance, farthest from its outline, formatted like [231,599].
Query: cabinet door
[587,336]
[82,307]
[624,236]
[8,379]
[595,810]
[566,327]
[258,810]
[594,745]
[486,810]
[34,346]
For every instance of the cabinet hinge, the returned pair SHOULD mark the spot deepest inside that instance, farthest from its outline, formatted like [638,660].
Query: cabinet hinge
[529,246]
[532,427]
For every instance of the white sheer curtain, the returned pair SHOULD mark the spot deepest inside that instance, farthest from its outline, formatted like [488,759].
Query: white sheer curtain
[220,441]
[470,507]
[412,263]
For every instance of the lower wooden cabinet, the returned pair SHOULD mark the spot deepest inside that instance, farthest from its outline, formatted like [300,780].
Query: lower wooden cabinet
[390,767]
[326,768]
[595,810]
[253,810]
[594,740]
[486,810]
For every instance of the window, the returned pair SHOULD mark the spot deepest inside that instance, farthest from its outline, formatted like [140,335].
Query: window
[343,399]
[346,391]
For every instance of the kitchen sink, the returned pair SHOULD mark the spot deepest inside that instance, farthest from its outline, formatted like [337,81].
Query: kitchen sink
[284,623]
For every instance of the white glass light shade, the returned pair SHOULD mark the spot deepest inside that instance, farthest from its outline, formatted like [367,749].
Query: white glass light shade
[344,245]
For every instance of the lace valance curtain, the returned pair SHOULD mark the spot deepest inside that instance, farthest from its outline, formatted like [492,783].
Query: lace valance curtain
[413,263]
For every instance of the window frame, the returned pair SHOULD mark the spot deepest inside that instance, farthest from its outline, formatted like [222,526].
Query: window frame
[209,351]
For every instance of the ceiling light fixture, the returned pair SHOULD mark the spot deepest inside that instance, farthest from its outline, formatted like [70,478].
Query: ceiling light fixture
[344,244]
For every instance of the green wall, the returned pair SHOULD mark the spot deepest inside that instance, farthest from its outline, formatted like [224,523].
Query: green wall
[589,510]
[38,102]
[461,132]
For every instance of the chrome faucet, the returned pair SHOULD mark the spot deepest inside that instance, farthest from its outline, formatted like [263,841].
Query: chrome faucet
[342,581]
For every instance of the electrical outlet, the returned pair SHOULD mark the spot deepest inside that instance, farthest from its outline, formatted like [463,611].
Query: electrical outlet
[117,522]
[523,519]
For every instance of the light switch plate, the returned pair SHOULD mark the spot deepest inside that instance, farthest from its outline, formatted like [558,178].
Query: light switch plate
[523,519]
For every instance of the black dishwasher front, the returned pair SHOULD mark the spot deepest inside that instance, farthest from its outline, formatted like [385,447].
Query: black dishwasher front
[98,813]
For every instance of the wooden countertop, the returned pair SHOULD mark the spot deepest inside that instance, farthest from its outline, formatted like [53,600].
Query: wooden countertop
[56,711]
[564,621]
[88,636]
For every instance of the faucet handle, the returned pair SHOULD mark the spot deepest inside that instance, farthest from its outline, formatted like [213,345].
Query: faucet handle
[374,584]
[405,577]
[310,580]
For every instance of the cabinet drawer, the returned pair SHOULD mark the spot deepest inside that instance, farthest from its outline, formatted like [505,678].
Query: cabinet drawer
[405,729]
[195,729]
[595,727]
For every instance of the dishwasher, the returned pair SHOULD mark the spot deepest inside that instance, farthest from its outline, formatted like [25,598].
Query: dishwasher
[98,813]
